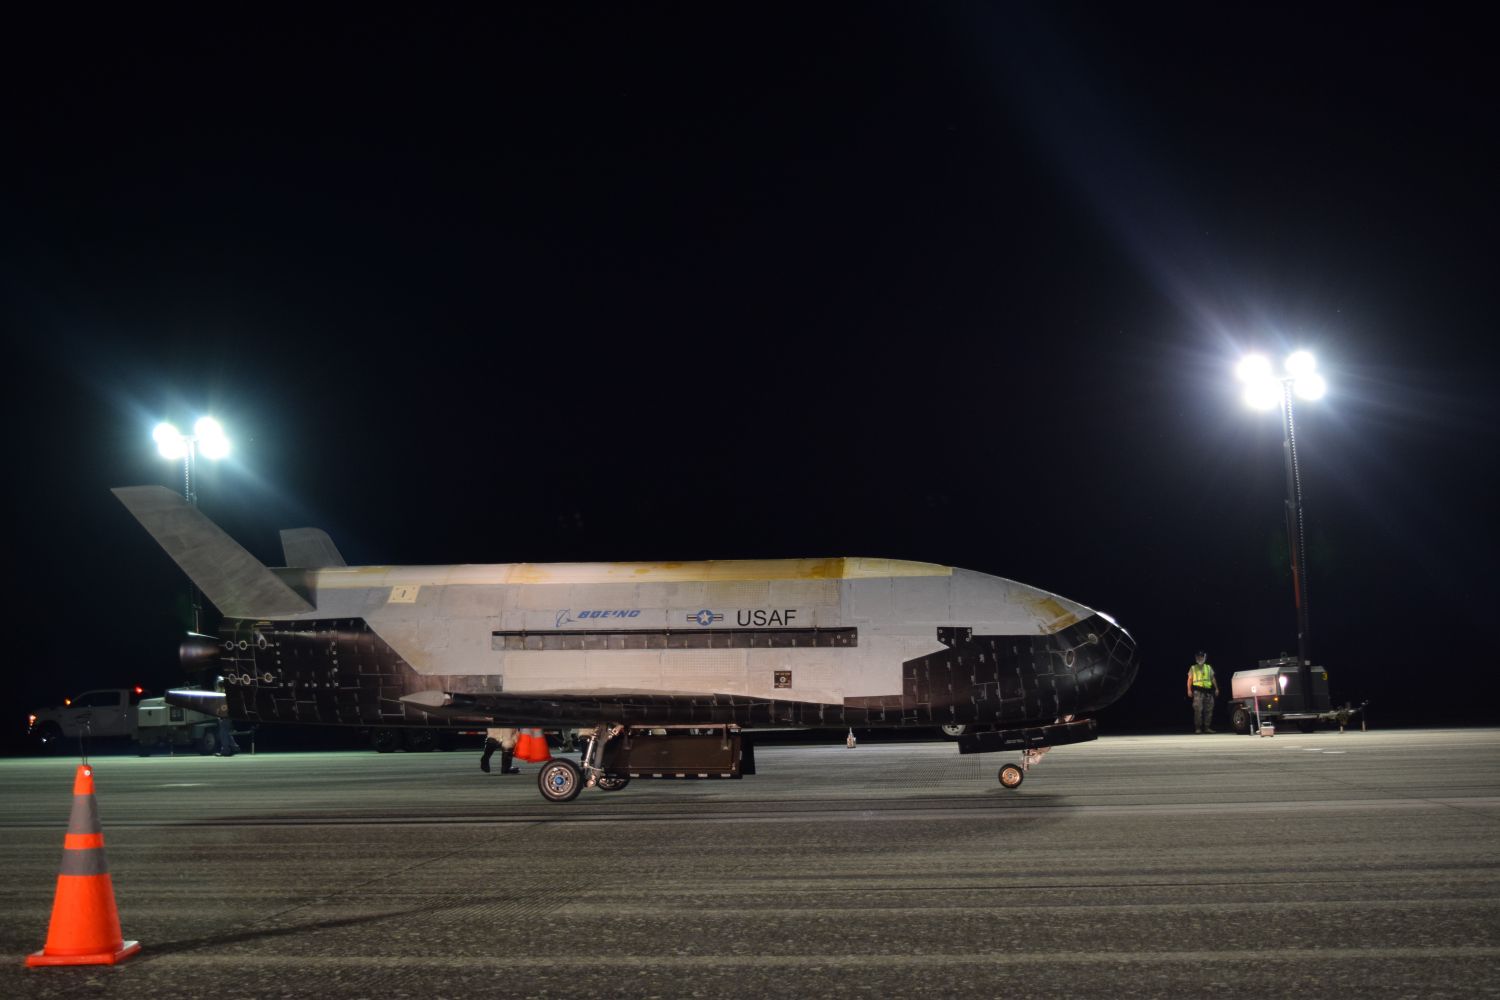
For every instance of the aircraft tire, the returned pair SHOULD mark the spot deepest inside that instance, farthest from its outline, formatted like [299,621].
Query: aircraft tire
[559,780]
[1011,776]
[608,784]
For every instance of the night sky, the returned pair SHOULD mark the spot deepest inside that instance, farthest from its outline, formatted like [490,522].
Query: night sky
[959,283]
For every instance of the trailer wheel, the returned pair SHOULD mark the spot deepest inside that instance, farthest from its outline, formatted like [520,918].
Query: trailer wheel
[1011,776]
[1240,721]
[421,740]
[1307,725]
[952,730]
[385,739]
[559,780]
[207,743]
[610,784]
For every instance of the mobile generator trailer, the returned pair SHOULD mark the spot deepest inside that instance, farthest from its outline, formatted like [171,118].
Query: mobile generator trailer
[1272,694]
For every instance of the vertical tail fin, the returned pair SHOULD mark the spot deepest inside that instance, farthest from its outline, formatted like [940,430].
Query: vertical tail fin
[309,548]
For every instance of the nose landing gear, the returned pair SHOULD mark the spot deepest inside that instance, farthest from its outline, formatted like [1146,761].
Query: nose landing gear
[1011,775]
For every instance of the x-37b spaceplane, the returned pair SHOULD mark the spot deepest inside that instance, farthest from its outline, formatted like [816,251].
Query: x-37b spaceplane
[665,664]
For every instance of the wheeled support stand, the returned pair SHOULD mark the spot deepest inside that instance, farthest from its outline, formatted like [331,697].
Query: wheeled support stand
[593,751]
[560,780]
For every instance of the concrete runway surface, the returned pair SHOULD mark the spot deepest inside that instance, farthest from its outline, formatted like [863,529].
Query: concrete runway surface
[1306,865]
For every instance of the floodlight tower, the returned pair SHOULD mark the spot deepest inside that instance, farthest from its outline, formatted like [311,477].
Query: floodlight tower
[1263,390]
[208,436]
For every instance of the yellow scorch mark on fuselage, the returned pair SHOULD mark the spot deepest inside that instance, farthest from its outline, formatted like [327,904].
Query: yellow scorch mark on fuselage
[709,571]
[1051,613]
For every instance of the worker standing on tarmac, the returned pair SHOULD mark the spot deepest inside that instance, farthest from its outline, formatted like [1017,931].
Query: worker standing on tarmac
[503,740]
[225,745]
[1202,686]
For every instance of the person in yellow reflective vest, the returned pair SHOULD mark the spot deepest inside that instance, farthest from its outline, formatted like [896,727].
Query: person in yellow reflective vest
[1202,686]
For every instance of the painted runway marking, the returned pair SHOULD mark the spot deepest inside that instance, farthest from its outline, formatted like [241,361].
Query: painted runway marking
[1279,956]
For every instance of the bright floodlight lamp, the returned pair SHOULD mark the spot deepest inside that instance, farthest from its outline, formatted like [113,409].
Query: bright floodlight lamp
[211,438]
[1300,363]
[1301,370]
[1263,394]
[1253,368]
[208,439]
[1262,390]
[169,441]
[1310,386]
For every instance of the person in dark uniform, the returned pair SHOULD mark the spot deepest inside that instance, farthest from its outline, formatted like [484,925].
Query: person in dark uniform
[225,743]
[503,740]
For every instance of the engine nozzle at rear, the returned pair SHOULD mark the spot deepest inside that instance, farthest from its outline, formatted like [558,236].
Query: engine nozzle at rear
[198,651]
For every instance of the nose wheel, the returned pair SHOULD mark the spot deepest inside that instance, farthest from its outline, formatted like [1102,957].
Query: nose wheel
[1011,775]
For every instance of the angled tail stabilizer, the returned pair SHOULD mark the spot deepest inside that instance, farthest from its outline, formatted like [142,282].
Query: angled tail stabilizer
[234,580]
[309,548]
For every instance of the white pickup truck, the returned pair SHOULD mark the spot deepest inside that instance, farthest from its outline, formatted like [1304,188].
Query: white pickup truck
[122,714]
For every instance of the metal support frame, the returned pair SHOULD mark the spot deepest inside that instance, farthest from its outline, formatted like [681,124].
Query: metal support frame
[1031,757]
[593,751]
[1296,536]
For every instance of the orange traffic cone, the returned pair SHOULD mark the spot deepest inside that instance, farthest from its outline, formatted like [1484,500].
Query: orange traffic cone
[85,928]
[523,745]
[532,747]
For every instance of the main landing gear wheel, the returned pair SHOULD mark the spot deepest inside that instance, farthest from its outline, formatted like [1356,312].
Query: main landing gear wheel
[1011,776]
[559,780]
[608,784]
